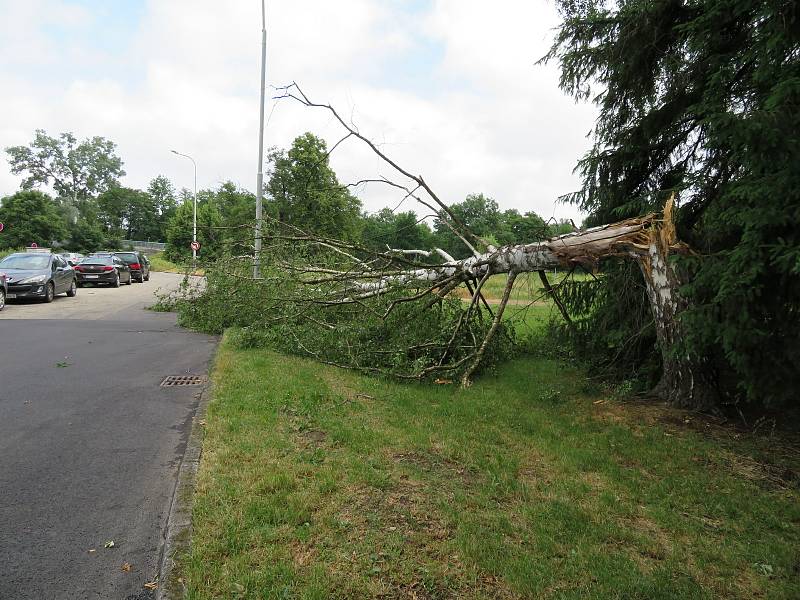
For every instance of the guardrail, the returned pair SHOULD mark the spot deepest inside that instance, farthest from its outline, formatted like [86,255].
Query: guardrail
[141,245]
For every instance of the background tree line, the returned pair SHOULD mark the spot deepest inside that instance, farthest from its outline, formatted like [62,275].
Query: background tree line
[91,210]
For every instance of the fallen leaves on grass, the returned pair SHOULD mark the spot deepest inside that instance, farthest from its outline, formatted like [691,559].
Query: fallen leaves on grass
[109,544]
[151,585]
[126,566]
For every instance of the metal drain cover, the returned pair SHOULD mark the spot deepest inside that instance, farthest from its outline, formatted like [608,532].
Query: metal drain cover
[181,380]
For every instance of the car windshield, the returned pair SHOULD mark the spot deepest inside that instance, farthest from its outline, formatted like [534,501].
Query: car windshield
[128,258]
[98,260]
[25,261]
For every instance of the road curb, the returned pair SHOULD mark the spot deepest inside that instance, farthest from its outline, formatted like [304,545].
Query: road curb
[178,532]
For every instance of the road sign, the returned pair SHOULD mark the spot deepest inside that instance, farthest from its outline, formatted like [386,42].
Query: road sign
[2,227]
[195,246]
[33,245]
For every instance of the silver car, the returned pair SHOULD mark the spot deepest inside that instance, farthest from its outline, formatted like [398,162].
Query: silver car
[38,275]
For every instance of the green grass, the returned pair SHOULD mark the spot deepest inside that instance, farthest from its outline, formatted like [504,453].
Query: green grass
[318,483]
[527,287]
[159,263]
[7,251]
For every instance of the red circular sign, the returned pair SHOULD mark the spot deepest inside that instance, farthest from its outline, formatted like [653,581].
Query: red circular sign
[195,246]
[2,227]
[33,245]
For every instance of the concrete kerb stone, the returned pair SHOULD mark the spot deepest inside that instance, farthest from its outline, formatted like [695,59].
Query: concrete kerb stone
[178,532]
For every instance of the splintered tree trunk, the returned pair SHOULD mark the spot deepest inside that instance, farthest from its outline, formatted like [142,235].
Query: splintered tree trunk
[648,240]
[684,381]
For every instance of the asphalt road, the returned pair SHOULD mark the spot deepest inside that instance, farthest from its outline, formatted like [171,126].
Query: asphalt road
[90,443]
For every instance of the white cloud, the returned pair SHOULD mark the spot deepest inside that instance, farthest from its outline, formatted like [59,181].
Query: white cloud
[452,92]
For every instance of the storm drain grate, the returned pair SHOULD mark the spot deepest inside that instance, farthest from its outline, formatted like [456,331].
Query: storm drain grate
[180,380]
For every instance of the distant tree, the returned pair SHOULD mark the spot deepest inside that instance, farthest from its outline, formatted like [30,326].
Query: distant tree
[515,228]
[141,217]
[237,209]
[76,170]
[396,230]
[30,216]
[307,194]
[86,236]
[480,214]
[162,192]
[560,227]
[112,207]
[179,231]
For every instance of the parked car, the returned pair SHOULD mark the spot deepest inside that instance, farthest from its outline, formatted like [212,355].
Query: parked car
[73,258]
[106,268]
[138,263]
[3,290]
[38,274]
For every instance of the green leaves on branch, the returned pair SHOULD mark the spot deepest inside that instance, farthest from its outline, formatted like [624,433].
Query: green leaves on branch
[701,98]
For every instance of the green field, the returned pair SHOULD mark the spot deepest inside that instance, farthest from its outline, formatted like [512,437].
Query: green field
[319,483]
[527,287]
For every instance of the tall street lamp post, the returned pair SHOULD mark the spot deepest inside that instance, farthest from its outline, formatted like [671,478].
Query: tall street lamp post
[260,175]
[194,217]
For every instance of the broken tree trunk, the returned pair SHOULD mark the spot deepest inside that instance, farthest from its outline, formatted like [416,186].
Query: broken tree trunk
[684,380]
[649,240]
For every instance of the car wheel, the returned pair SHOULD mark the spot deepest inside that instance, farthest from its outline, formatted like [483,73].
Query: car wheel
[116,281]
[2,299]
[147,278]
[50,293]
[73,289]
[130,279]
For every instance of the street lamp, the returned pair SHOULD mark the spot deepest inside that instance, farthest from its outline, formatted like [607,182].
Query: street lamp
[194,218]
[260,175]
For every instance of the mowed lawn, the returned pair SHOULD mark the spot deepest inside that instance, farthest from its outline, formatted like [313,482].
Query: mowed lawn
[319,483]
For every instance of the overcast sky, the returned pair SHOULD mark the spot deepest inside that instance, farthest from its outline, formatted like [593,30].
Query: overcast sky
[449,88]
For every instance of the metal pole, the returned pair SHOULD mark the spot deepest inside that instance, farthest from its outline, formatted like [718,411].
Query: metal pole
[260,175]
[194,216]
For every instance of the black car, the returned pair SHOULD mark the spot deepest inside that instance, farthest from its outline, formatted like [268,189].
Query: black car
[138,264]
[107,269]
[38,274]
[3,290]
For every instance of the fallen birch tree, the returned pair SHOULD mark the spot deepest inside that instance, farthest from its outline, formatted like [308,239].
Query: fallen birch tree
[394,311]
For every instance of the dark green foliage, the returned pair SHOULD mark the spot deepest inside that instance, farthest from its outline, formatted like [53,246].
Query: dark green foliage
[75,170]
[86,237]
[483,217]
[30,217]
[128,213]
[396,230]
[612,326]
[179,231]
[162,193]
[702,98]
[306,193]
[225,220]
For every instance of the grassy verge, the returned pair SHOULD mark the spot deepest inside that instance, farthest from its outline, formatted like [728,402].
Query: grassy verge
[318,483]
[159,263]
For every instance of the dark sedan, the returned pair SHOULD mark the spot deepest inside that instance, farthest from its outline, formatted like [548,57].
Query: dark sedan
[107,269]
[138,263]
[37,274]
[3,290]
